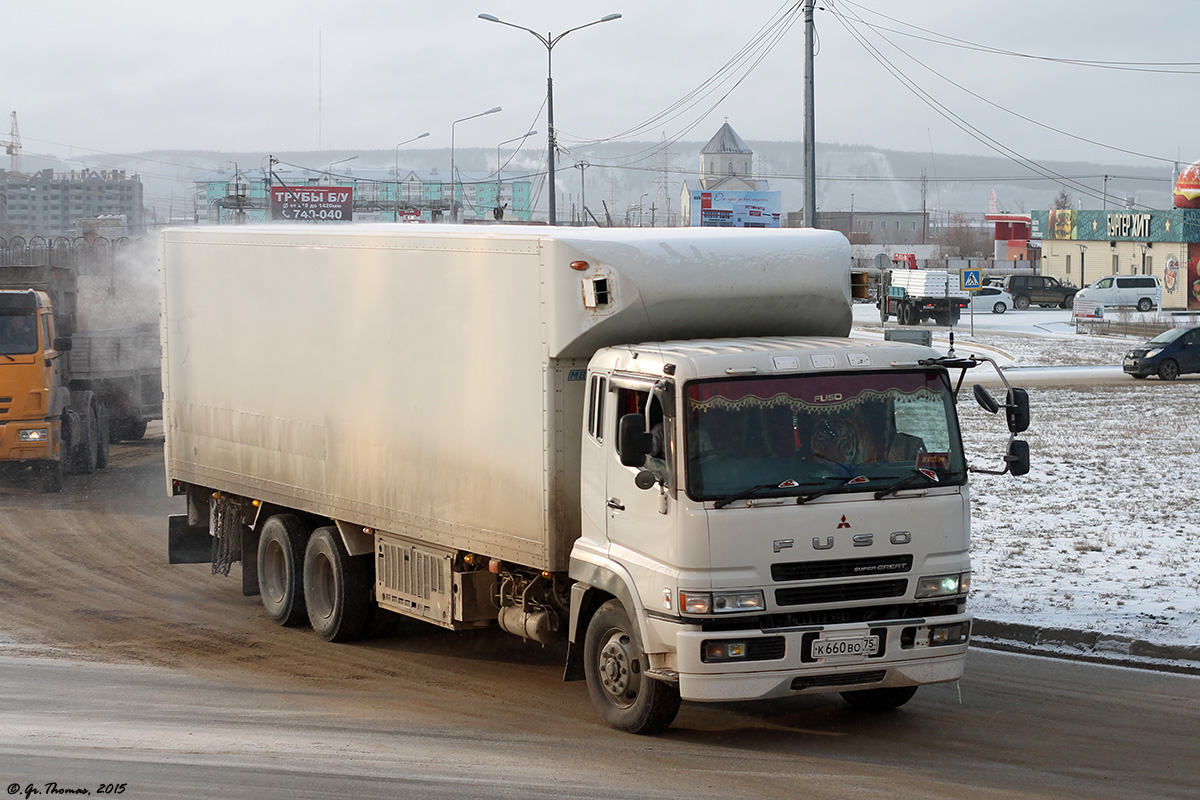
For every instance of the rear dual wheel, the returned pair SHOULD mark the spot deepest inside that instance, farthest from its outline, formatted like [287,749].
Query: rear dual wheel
[338,588]
[281,546]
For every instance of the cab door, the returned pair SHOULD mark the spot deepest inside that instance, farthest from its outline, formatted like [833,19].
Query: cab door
[640,522]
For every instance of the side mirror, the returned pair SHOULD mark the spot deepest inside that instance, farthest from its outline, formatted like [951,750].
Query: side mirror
[633,443]
[62,344]
[1016,408]
[1018,457]
[985,399]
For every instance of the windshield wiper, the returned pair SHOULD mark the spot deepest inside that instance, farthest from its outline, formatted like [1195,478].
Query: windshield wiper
[742,495]
[927,474]
[841,481]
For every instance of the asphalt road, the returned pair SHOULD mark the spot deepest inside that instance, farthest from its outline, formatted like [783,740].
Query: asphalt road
[117,669]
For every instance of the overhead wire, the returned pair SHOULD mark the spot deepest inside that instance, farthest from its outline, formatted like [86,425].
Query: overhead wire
[848,20]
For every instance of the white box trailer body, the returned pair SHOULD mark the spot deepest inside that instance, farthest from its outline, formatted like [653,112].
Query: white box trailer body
[457,423]
[418,379]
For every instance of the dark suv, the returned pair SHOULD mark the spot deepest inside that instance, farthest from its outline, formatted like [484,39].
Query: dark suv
[1040,290]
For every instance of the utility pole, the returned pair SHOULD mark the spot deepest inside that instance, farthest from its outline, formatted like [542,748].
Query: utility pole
[810,158]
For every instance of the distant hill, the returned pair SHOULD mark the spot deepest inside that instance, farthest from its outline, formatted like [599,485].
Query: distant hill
[868,178]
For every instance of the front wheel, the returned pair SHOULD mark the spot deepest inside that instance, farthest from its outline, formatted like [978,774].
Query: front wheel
[880,699]
[337,588]
[1021,302]
[1168,370]
[1145,304]
[615,667]
[1068,301]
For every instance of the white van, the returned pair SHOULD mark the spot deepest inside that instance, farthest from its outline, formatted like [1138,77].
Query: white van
[1143,291]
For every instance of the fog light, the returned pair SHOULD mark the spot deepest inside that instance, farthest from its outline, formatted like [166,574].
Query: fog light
[948,634]
[723,651]
[33,435]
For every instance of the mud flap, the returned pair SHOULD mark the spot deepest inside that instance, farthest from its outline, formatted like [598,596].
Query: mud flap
[249,562]
[187,544]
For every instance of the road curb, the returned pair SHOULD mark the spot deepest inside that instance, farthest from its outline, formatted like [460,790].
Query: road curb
[1085,646]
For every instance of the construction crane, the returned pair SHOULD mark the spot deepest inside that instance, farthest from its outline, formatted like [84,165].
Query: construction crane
[13,145]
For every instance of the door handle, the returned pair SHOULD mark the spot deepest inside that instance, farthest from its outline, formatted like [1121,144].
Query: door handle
[616,504]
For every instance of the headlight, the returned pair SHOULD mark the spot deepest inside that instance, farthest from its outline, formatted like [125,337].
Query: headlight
[721,602]
[33,435]
[1153,353]
[943,585]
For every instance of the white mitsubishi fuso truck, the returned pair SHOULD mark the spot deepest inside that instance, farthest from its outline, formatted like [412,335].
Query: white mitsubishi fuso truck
[658,445]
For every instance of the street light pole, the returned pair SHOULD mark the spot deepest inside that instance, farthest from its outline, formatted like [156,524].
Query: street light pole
[396,193]
[582,165]
[1082,255]
[548,41]
[499,179]
[453,208]
[328,170]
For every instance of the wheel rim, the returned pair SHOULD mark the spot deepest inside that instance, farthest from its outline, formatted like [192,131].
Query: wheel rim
[1169,371]
[274,577]
[998,308]
[620,675]
[321,588]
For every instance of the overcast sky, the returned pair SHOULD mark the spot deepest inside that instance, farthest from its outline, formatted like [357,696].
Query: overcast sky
[126,76]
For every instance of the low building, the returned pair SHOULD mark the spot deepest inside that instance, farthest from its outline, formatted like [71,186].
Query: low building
[1082,246]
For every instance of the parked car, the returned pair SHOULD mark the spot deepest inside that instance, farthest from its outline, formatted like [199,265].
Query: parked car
[1170,354]
[991,298]
[1041,290]
[1143,291]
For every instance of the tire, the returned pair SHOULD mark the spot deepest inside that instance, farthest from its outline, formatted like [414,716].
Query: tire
[999,308]
[48,476]
[1068,302]
[1021,302]
[880,699]
[1145,304]
[337,588]
[281,546]
[102,436]
[1168,370]
[85,455]
[126,428]
[614,665]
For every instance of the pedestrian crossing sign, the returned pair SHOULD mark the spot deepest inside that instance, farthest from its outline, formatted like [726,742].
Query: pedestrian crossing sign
[972,281]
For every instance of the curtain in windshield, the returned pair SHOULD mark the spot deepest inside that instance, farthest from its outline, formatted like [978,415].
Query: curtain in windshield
[803,433]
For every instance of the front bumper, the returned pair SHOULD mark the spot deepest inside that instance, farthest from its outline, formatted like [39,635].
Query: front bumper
[1139,366]
[13,449]
[905,658]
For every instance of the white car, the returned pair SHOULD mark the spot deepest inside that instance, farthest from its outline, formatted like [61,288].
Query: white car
[991,298]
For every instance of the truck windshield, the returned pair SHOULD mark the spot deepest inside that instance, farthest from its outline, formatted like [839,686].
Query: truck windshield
[801,434]
[18,333]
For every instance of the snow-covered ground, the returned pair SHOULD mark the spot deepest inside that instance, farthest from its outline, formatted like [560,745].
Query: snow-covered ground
[1103,534]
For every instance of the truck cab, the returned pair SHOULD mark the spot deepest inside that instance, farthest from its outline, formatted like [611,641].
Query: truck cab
[30,373]
[46,429]
[791,516]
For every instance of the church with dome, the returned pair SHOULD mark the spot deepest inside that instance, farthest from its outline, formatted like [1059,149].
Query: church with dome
[727,194]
